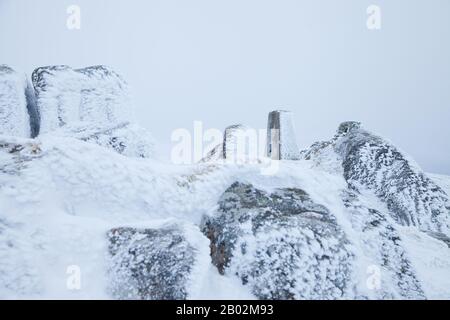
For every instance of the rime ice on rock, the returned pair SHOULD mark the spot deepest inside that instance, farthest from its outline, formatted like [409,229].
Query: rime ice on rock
[14,113]
[94,94]
[104,96]
[240,144]
[281,141]
[373,163]
[282,245]
[150,264]
[58,96]
[93,104]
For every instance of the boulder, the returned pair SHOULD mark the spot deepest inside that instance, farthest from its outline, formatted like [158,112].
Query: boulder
[150,264]
[18,116]
[282,244]
[93,104]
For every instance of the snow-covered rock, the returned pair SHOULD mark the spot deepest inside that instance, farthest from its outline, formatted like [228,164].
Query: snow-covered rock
[282,244]
[240,145]
[390,271]
[151,264]
[371,162]
[18,117]
[94,101]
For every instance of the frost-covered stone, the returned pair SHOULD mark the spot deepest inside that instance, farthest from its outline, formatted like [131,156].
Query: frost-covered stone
[92,103]
[281,139]
[240,145]
[58,96]
[14,109]
[281,244]
[384,252]
[105,96]
[150,264]
[93,94]
[371,162]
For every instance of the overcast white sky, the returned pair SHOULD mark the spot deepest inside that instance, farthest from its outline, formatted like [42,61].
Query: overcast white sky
[232,61]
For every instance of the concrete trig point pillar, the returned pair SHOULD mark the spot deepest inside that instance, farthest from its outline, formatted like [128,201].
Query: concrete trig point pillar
[281,141]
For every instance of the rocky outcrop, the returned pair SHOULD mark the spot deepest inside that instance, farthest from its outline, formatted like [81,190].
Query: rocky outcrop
[92,103]
[150,264]
[94,95]
[18,114]
[280,244]
[371,162]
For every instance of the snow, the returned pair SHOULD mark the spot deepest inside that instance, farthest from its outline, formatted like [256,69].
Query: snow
[442,181]
[58,204]
[431,259]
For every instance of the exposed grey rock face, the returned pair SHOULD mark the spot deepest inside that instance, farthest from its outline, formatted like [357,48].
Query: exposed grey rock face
[18,116]
[281,244]
[150,264]
[91,103]
[369,161]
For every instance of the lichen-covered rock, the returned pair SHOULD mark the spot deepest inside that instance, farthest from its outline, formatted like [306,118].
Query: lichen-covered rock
[280,244]
[150,264]
[371,162]
[18,117]
[92,103]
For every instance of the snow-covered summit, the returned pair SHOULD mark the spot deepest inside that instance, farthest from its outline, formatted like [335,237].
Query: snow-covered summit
[351,217]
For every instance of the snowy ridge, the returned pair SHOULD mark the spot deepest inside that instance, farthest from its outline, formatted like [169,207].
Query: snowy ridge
[371,162]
